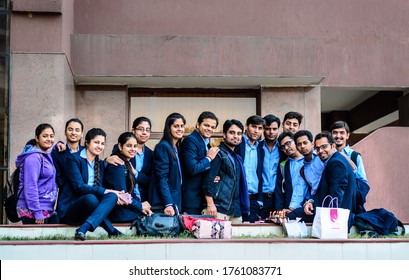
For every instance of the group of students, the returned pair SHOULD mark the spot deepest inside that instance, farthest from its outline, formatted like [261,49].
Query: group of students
[243,179]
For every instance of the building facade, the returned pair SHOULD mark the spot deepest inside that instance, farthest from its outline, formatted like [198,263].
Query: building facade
[107,62]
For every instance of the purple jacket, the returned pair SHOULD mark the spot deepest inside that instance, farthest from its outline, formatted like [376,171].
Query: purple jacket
[37,174]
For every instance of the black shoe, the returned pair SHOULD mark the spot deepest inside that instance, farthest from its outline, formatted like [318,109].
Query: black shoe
[115,233]
[79,235]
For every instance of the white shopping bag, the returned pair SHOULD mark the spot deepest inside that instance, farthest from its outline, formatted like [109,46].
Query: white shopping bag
[295,229]
[330,222]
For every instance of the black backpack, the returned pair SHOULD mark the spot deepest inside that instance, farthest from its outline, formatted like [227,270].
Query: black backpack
[158,224]
[362,188]
[378,222]
[11,196]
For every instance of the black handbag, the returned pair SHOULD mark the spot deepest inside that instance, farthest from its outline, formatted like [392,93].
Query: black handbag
[158,224]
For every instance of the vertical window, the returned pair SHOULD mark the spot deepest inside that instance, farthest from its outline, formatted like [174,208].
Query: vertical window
[4,91]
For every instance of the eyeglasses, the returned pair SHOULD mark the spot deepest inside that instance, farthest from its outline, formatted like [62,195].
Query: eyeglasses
[323,147]
[141,129]
[286,144]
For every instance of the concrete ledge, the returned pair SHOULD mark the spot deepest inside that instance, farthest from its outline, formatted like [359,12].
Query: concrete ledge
[257,248]
[246,230]
[195,241]
[189,249]
[41,6]
[36,231]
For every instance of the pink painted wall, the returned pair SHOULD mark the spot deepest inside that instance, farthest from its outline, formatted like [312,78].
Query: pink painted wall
[386,161]
[67,27]
[33,32]
[351,43]
[122,55]
[42,26]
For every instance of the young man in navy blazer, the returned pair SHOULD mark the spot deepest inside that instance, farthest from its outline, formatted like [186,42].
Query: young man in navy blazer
[337,180]
[253,154]
[196,157]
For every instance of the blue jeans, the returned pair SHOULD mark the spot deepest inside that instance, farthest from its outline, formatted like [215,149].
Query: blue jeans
[93,210]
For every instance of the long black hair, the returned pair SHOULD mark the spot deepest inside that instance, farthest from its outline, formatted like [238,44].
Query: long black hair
[130,178]
[167,136]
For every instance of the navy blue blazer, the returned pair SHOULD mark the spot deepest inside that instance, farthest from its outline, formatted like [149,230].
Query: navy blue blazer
[144,176]
[241,151]
[115,179]
[194,164]
[166,184]
[60,163]
[76,183]
[338,180]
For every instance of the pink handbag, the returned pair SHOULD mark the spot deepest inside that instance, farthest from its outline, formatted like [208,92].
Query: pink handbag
[212,229]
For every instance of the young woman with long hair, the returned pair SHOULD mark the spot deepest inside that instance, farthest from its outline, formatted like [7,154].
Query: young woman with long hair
[166,193]
[122,178]
[83,201]
[37,192]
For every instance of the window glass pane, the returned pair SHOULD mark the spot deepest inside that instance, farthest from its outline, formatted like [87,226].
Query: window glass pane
[3,32]
[158,108]
[3,4]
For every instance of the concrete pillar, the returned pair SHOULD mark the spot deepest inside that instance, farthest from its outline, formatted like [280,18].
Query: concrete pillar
[104,107]
[42,91]
[305,100]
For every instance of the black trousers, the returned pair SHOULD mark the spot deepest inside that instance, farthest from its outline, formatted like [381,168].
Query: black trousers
[254,212]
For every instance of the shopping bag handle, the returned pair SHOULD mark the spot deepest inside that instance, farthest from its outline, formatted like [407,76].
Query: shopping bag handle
[332,202]
[325,198]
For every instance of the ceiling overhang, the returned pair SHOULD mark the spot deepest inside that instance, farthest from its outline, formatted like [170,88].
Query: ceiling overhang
[200,81]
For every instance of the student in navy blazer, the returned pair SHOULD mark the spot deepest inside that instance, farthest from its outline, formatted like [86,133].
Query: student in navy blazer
[250,144]
[165,192]
[73,132]
[122,178]
[83,201]
[196,157]
[337,180]
[143,160]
